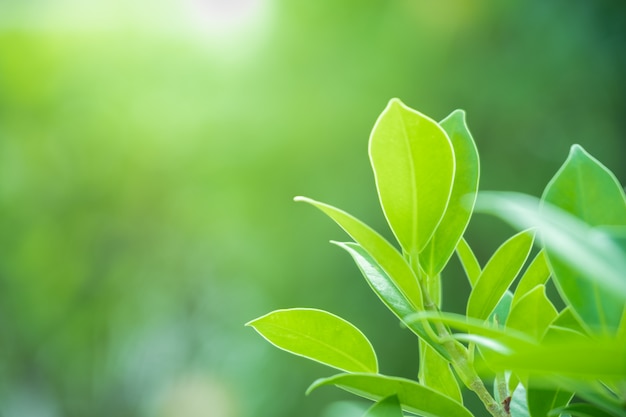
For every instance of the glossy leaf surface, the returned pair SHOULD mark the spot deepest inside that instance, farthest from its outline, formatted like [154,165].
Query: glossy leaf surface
[413,162]
[320,336]
[461,204]
[498,275]
[414,397]
[385,255]
[387,407]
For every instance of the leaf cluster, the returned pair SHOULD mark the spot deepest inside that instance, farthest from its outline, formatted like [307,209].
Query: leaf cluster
[542,360]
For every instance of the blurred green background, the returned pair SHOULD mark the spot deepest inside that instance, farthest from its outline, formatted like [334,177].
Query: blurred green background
[149,153]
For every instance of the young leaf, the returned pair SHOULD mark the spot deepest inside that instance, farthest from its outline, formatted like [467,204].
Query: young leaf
[457,215]
[414,398]
[533,313]
[435,372]
[586,189]
[387,407]
[319,336]
[385,255]
[498,275]
[413,162]
[388,292]
[537,273]
[469,262]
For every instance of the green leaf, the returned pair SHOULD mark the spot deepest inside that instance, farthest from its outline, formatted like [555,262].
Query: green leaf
[582,410]
[498,275]
[537,273]
[388,292]
[500,314]
[586,189]
[469,261]
[595,256]
[542,401]
[435,372]
[533,313]
[464,188]
[387,407]
[413,162]
[385,255]
[519,405]
[415,398]
[319,336]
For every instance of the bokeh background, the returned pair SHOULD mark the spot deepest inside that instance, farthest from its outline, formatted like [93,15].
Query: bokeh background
[150,151]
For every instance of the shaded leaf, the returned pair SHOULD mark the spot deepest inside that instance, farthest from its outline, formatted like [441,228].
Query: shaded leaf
[542,401]
[387,407]
[461,204]
[385,255]
[498,275]
[518,405]
[414,398]
[582,410]
[320,336]
[413,162]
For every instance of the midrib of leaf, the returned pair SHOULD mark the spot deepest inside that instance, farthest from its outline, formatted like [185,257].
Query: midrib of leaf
[414,199]
[321,343]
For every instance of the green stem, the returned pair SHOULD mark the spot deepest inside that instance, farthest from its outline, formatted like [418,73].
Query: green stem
[463,367]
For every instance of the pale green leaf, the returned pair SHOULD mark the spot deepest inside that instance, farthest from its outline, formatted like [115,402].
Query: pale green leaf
[598,260]
[532,313]
[586,189]
[413,162]
[388,292]
[519,405]
[435,372]
[468,261]
[457,215]
[537,273]
[387,407]
[498,275]
[414,398]
[385,255]
[319,336]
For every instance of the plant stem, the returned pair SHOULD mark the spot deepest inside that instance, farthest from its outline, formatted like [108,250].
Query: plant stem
[463,367]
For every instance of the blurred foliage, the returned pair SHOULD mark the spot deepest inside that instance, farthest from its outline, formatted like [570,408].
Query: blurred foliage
[149,154]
